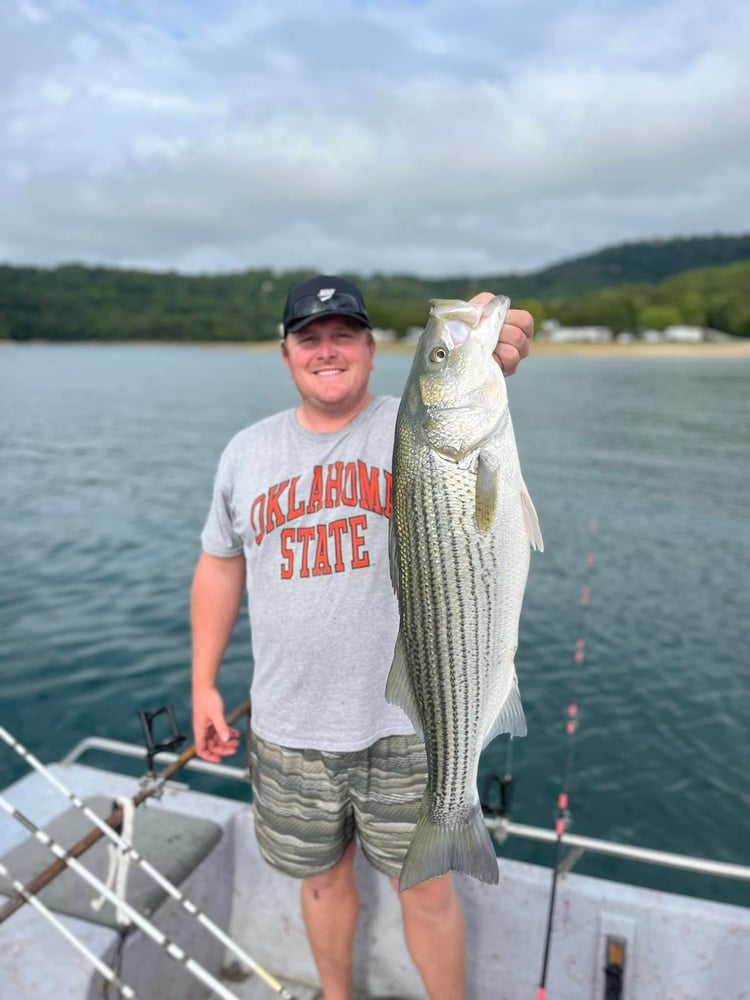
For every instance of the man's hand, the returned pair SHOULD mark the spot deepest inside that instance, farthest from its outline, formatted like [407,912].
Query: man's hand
[515,337]
[214,739]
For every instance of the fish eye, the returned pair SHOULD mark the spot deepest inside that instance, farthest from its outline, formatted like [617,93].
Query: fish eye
[439,355]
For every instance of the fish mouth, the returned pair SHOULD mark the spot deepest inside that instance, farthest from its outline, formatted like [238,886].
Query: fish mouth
[464,408]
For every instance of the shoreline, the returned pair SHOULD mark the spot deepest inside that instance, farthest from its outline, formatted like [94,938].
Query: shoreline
[706,350]
[540,348]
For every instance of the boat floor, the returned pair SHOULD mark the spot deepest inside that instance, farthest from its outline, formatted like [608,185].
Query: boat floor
[676,947]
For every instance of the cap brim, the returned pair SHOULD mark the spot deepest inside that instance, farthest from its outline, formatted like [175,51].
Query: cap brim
[300,324]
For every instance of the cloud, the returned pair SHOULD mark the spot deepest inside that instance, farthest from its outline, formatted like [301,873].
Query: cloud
[430,138]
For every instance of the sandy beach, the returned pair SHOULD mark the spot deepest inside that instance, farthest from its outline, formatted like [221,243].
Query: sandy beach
[732,349]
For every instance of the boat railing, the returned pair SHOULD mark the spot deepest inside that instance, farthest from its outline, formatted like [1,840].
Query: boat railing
[500,827]
[105,745]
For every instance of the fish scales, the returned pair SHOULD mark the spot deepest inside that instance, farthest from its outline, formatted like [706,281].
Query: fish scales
[460,541]
[462,633]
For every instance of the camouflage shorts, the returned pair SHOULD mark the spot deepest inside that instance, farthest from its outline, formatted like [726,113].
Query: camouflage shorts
[309,804]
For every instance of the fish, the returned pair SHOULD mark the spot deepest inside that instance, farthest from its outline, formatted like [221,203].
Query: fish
[461,531]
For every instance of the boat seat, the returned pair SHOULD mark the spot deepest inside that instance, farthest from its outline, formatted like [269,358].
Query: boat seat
[174,843]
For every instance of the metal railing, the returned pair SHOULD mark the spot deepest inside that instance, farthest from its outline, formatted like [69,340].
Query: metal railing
[133,750]
[499,827]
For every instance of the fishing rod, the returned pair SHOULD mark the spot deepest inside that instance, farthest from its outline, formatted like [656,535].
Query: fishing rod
[132,854]
[151,930]
[560,826]
[114,819]
[104,970]
[562,815]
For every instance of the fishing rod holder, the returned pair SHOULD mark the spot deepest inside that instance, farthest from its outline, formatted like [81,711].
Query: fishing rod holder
[175,738]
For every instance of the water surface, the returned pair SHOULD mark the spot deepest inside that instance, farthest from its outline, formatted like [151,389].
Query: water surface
[108,455]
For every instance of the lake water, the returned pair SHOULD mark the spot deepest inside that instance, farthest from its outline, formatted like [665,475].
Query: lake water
[107,459]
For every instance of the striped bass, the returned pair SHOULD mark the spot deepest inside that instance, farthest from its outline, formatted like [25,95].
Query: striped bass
[460,534]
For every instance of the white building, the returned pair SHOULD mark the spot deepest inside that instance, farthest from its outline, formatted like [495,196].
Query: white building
[684,334]
[557,334]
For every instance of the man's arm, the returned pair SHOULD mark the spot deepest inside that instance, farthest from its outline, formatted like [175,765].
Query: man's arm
[515,336]
[218,586]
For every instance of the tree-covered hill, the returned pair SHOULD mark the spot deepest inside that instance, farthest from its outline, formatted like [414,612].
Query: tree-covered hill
[634,263]
[714,297]
[704,280]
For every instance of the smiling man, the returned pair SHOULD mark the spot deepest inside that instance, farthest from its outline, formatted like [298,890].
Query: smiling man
[329,350]
[299,517]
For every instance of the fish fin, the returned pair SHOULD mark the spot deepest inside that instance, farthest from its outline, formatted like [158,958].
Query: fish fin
[437,848]
[530,520]
[486,493]
[469,461]
[393,556]
[510,718]
[399,689]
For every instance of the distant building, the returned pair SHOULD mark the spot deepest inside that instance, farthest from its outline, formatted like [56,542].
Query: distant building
[552,331]
[383,336]
[684,334]
[652,336]
[413,334]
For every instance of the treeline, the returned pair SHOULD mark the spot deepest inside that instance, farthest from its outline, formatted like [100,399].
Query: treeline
[716,298]
[702,281]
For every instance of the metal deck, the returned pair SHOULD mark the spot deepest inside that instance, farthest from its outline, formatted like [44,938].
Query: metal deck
[675,947]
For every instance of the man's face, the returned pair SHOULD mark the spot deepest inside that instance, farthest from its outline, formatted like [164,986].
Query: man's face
[330,362]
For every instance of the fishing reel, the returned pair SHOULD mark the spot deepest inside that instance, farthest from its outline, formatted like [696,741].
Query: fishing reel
[495,800]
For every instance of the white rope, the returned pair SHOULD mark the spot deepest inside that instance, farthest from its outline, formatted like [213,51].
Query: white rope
[39,906]
[154,873]
[119,862]
[173,950]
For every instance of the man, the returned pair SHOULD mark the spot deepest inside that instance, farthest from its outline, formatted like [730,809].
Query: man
[300,517]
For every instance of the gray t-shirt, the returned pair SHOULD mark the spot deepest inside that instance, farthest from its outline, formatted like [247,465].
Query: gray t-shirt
[310,513]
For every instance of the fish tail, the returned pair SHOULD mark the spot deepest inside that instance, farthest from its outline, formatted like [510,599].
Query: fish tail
[437,848]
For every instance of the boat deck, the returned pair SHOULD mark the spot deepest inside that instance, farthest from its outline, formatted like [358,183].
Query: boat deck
[675,947]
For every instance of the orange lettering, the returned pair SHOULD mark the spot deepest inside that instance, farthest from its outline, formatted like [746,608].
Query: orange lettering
[322,567]
[273,510]
[336,529]
[259,504]
[294,511]
[315,501]
[333,484]
[287,566]
[360,556]
[349,488]
[305,535]
[369,490]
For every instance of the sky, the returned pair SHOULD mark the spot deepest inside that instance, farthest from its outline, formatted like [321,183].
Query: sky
[433,138]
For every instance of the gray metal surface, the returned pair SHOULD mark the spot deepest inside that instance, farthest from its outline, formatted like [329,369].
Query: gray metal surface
[677,947]
[175,844]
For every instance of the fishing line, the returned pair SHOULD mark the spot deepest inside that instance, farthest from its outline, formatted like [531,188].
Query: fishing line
[562,816]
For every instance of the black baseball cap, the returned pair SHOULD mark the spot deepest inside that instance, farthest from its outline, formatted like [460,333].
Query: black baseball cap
[323,296]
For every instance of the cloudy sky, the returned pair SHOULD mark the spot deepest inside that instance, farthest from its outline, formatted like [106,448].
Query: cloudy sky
[424,136]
